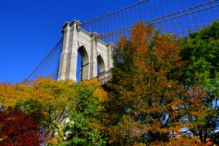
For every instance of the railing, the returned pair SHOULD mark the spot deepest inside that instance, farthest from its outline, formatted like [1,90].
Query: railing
[104,77]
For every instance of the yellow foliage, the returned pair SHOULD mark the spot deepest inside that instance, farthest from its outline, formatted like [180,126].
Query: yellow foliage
[53,141]
[54,99]
[99,92]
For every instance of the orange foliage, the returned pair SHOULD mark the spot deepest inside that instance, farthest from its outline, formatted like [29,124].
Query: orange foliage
[182,141]
[145,100]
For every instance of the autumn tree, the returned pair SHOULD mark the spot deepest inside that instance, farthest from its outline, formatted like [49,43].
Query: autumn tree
[145,95]
[18,129]
[45,96]
[54,100]
[158,86]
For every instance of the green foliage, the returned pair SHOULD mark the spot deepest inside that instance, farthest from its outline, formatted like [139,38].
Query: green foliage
[79,128]
[200,52]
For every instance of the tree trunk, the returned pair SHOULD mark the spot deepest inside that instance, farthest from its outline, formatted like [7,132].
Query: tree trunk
[200,136]
[205,136]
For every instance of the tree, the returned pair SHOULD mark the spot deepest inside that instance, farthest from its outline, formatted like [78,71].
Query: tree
[7,93]
[54,100]
[200,52]
[19,129]
[145,95]
[85,118]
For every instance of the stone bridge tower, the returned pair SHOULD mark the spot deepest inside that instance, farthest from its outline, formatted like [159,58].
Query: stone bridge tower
[96,60]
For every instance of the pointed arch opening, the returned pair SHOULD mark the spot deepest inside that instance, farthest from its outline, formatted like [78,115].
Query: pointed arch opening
[100,66]
[82,64]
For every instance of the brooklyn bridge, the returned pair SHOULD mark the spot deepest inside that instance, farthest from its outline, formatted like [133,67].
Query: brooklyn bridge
[85,50]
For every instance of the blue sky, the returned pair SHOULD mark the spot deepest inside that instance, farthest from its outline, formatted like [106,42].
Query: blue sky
[29,29]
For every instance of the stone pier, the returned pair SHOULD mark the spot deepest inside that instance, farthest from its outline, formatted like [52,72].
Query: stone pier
[96,54]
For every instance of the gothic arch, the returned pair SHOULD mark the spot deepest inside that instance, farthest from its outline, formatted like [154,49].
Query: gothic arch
[82,64]
[101,65]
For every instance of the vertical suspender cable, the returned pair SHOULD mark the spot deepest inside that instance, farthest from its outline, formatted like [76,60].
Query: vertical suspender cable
[142,12]
[162,24]
[189,17]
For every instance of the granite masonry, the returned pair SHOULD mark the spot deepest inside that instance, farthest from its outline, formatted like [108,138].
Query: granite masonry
[94,53]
